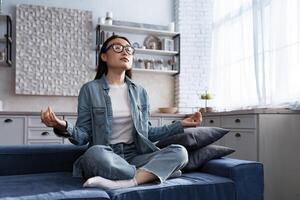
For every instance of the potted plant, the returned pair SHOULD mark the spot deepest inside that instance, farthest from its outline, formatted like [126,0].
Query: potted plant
[206,96]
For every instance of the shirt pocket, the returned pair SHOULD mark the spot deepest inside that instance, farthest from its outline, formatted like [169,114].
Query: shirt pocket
[99,115]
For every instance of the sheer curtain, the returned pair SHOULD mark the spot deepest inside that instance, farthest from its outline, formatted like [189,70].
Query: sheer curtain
[255,53]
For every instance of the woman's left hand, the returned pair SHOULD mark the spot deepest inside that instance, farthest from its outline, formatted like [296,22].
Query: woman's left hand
[192,121]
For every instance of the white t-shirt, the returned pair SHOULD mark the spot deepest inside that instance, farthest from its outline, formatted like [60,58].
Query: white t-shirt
[122,125]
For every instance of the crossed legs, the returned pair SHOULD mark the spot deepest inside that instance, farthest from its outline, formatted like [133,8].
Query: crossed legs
[110,171]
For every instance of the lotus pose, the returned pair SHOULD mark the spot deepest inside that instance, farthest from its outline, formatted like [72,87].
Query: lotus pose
[113,115]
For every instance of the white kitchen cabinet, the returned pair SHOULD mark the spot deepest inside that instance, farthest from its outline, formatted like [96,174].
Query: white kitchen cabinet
[12,130]
[169,120]
[242,136]
[156,120]
[35,122]
[244,142]
[38,133]
[41,134]
[271,137]
[214,121]
[27,128]
[239,121]
[279,148]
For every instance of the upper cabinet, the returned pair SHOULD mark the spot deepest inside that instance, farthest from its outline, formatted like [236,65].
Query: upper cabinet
[5,40]
[156,51]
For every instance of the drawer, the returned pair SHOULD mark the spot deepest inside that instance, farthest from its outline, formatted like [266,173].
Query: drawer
[35,121]
[44,142]
[211,121]
[244,142]
[167,121]
[238,121]
[12,130]
[41,133]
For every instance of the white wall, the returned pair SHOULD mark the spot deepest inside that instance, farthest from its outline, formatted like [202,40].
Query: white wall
[194,19]
[160,87]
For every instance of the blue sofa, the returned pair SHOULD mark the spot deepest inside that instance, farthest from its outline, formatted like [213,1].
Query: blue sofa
[44,172]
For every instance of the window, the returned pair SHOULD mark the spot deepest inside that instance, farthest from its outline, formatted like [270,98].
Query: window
[255,53]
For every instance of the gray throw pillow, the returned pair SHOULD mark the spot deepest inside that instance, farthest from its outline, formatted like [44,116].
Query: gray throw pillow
[194,138]
[200,156]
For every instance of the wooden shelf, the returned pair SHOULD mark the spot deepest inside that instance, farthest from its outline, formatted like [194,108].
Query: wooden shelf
[156,52]
[151,51]
[136,30]
[170,72]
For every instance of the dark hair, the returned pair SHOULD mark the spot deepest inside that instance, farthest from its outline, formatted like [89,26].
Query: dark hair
[102,66]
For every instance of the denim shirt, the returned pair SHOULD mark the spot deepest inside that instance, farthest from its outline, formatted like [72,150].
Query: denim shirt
[94,122]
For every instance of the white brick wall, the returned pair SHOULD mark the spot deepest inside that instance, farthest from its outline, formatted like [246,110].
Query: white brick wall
[193,20]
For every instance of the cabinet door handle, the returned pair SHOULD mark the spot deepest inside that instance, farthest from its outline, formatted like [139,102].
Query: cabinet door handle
[8,120]
[45,133]
[238,135]
[211,121]
[237,121]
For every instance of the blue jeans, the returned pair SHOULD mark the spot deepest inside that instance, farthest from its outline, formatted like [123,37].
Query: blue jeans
[120,161]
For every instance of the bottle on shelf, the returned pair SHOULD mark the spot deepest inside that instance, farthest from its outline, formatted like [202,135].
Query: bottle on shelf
[109,18]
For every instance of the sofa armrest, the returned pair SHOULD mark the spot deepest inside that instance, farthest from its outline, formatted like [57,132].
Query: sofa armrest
[248,176]
[27,159]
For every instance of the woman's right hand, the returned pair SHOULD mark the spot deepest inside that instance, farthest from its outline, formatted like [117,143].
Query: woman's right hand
[51,120]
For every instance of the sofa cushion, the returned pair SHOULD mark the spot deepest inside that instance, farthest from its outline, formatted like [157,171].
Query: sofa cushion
[199,157]
[189,186]
[40,158]
[60,185]
[248,176]
[194,138]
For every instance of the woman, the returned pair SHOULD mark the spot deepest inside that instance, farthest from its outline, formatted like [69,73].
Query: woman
[113,115]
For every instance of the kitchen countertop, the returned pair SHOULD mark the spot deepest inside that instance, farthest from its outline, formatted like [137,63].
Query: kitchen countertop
[156,114]
[27,113]
[254,111]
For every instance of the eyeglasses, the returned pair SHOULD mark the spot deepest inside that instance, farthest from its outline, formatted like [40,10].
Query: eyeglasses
[118,48]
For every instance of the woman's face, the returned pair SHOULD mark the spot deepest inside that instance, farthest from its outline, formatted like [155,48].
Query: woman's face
[115,58]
